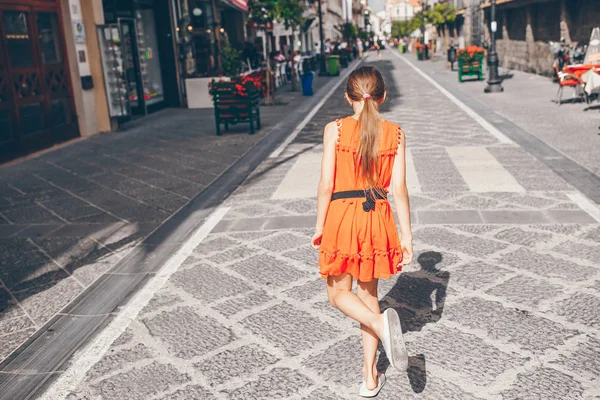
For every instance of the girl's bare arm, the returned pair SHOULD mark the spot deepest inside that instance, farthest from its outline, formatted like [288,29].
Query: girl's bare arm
[327,174]
[400,193]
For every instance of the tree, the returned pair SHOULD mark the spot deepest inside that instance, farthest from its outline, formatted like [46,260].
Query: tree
[442,15]
[400,29]
[349,31]
[290,13]
[261,13]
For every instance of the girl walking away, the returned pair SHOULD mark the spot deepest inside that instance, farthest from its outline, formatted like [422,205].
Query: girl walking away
[356,234]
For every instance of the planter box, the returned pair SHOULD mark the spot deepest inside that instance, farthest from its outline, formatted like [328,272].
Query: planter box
[470,67]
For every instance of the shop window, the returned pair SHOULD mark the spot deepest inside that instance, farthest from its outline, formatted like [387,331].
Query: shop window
[150,70]
[18,40]
[48,30]
[31,118]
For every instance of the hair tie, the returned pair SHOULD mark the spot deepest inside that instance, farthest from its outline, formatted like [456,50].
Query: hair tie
[366,96]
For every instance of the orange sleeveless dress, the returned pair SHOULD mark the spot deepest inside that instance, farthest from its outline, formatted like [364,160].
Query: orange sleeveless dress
[362,243]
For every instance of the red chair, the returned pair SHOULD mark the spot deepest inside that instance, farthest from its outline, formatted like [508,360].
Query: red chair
[567,79]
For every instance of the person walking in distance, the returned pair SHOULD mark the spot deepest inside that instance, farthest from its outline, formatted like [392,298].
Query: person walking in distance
[356,234]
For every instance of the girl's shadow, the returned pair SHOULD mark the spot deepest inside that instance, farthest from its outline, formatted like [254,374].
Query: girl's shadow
[419,298]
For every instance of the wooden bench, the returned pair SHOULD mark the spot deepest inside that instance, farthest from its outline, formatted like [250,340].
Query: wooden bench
[232,108]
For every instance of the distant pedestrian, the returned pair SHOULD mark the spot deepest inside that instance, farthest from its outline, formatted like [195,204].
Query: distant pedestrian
[356,234]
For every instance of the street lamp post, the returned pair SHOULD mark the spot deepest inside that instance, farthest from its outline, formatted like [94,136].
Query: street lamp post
[494,83]
[322,65]
[423,21]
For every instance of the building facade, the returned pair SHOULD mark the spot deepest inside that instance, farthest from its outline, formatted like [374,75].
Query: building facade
[526,27]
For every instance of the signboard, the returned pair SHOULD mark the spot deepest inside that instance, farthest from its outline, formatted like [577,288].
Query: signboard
[78,31]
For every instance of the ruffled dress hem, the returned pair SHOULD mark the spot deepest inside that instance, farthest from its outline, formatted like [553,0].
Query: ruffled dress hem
[362,267]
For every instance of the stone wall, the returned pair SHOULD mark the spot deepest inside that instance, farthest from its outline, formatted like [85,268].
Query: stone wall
[524,31]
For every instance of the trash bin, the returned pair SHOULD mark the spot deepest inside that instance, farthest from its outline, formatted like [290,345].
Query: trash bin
[307,80]
[452,56]
[401,48]
[333,65]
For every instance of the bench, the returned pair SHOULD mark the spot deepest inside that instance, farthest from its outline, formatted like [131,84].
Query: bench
[233,108]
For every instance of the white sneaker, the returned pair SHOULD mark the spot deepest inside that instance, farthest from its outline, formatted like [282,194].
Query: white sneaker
[364,392]
[393,341]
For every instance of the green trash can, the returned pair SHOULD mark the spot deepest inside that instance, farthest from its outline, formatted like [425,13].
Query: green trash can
[333,65]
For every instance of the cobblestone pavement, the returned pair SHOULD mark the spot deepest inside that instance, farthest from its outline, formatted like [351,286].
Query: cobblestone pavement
[501,303]
[70,215]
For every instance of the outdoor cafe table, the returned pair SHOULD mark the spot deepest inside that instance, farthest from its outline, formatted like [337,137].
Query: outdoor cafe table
[591,77]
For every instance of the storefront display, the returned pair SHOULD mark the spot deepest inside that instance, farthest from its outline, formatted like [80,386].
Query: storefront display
[148,57]
[113,64]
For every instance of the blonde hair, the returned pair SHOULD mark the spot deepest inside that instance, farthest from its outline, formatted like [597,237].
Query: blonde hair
[367,83]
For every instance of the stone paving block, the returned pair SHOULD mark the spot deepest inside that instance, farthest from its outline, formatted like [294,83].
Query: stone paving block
[281,242]
[34,214]
[162,298]
[289,328]
[253,210]
[325,307]
[592,235]
[444,238]
[563,229]
[232,254]
[475,275]
[251,236]
[214,244]
[246,302]
[8,343]
[420,202]
[581,308]
[476,229]
[449,217]
[571,216]
[9,307]
[246,361]
[579,250]
[125,338]
[141,382]
[290,222]
[474,359]
[266,270]
[12,325]
[322,393]
[305,254]
[118,359]
[547,266]
[280,383]
[420,384]
[308,290]
[208,283]
[43,301]
[544,383]
[187,334]
[514,217]
[341,363]
[509,325]
[71,252]
[583,360]
[525,290]
[476,202]
[522,237]
[300,206]
[190,392]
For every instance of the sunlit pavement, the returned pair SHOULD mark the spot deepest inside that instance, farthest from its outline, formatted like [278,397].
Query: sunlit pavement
[501,301]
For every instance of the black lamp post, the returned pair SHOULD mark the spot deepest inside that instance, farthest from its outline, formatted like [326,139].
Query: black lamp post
[494,83]
[423,21]
[322,65]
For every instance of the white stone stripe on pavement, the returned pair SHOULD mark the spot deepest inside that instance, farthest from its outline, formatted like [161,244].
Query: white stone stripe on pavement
[481,171]
[95,350]
[302,179]
[312,113]
[480,120]
[412,180]
[586,205]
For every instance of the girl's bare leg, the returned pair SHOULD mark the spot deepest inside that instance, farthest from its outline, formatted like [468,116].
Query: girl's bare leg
[339,290]
[367,292]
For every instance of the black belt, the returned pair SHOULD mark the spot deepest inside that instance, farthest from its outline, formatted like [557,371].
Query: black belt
[370,194]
